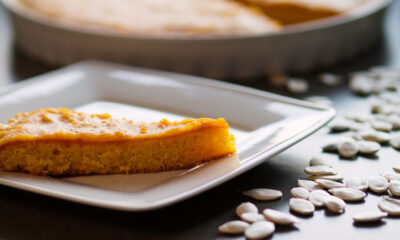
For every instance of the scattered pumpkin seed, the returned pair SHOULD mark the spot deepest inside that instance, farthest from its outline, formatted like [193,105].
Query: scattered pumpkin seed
[390,205]
[357,183]
[390,175]
[233,227]
[368,147]
[394,187]
[259,230]
[297,85]
[375,136]
[317,197]
[320,170]
[336,178]
[300,192]
[348,148]
[252,217]
[278,217]
[378,184]
[381,126]
[264,194]
[335,204]
[309,185]
[329,184]
[395,142]
[246,207]
[318,160]
[348,194]
[301,206]
[370,216]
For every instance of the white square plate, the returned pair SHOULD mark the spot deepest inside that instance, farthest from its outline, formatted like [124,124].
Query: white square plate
[264,124]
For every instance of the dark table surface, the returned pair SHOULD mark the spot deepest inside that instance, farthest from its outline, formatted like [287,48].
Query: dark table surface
[25,215]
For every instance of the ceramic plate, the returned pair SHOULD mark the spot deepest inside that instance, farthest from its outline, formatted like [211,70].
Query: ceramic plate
[264,124]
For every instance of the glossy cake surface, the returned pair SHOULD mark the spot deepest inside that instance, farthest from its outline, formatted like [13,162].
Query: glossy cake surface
[65,142]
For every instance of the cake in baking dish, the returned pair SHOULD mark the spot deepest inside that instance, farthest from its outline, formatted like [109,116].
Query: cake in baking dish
[160,17]
[64,142]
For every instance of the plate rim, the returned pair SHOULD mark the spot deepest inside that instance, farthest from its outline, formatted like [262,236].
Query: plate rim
[329,114]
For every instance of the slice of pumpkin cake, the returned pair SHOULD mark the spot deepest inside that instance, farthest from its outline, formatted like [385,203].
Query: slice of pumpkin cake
[66,142]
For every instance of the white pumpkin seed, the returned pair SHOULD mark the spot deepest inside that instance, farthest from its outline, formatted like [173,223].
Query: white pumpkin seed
[320,100]
[330,79]
[233,227]
[375,136]
[335,204]
[336,178]
[390,175]
[348,194]
[340,126]
[309,185]
[394,187]
[357,183]
[329,184]
[278,217]
[368,147]
[317,197]
[246,207]
[252,217]
[361,84]
[259,230]
[378,184]
[318,160]
[330,147]
[301,206]
[300,192]
[320,170]
[297,85]
[264,194]
[395,142]
[357,117]
[390,205]
[370,216]
[348,148]
[394,120]
[381,126]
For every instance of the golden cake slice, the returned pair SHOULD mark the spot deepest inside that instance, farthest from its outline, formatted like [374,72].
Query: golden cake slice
[158,17]
[65,142]
[297,11]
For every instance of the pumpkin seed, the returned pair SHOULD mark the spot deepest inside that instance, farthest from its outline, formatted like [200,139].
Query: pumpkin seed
[233,227]
[301,206]
[375,136]
[319,99]
[309,185]
[264,194]
[318,160]
[320,170]
[278,217]
[357,183]
[259,230]
[297,85]
[252,217]
[336,178]
[390,205]
[378,184]
[329,184]
[317,197]
[348,148]
[300,192]
[370,216]
[368,147]
[394,187]
[381,126]
[335,204]
[330,79]
[396,169]
[390,175]
[395,142]
[246,207]
[348,194]
[340,126]
[330,147]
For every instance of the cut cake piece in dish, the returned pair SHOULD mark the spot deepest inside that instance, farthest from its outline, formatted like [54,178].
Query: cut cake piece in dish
[158,17]
[298,11]
[65,142]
